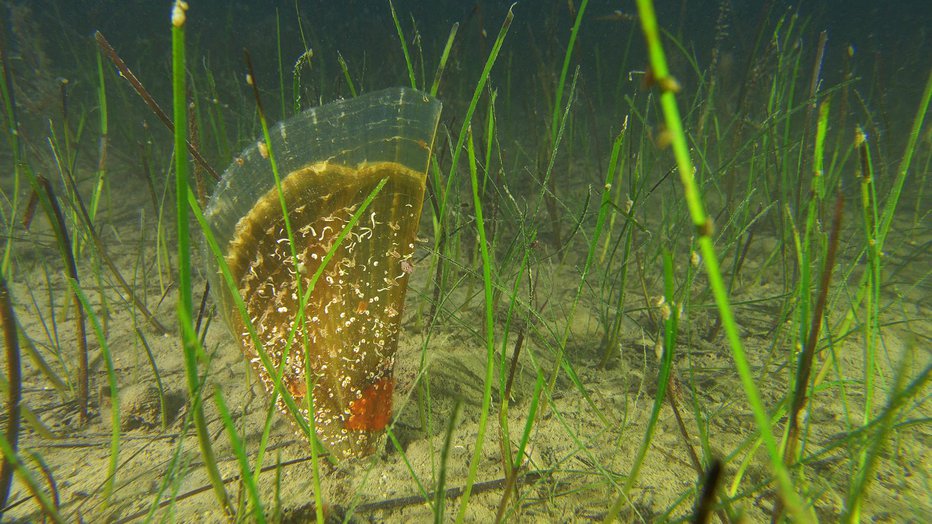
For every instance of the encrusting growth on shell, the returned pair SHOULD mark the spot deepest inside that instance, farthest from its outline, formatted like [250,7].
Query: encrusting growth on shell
[332,343]
[345,345]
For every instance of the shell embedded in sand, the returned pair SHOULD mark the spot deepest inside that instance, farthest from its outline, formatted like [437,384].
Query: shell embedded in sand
[350,328]
[343,346]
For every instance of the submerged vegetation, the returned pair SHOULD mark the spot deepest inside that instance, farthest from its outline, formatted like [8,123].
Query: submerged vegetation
[659,276]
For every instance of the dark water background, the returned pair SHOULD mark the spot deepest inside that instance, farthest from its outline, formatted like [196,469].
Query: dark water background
[891,39]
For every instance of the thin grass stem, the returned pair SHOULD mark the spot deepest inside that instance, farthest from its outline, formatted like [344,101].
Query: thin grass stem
[489,328]
[114,390]
[404,45]
[440,494]
[185,302]
[564,71]
[49,509]
[704,230]
[258,515]
[444,56]
[50,205]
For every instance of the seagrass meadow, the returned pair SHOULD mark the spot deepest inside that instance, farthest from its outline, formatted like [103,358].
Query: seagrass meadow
[406,261]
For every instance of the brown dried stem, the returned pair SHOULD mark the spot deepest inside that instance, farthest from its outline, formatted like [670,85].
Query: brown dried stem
[147,98]
[102,252]
[805,358]
[14,390]
[707,498]
[53,211]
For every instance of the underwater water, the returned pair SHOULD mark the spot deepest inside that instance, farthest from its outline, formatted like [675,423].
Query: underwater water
[650,263]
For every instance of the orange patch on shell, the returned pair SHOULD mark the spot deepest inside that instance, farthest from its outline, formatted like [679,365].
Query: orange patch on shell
[373,410]
[295,386]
